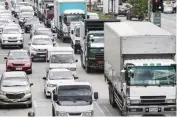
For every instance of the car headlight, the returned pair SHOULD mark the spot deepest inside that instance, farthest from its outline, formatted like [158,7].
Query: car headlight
[61,113]
[171,101]
[73,69]
[51,85]
[2,93]
[28,64]
[33,49]
[9,64]
[87,113]
[28,92]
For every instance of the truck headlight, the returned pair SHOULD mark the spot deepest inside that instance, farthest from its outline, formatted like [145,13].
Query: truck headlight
[87,113]
[134,101]
[171,101]
[2,93]
[51,85]
[61,113]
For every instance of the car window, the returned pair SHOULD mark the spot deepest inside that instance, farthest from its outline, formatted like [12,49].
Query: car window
[14,81]
[43,32]
[60,75]
[18,55]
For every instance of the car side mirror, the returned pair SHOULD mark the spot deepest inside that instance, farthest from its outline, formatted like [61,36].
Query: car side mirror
[76,60]
[75,78]
[5,57]
[44,78]
[72,32]
[55,97]
[85,37]
[31,84]
[95,95]
[54,43]
[31,114]
[29,43]
[47,61]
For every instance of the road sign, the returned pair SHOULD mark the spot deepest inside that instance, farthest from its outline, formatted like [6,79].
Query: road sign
[157,19]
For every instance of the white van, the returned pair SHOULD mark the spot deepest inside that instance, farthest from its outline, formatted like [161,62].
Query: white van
[61,57]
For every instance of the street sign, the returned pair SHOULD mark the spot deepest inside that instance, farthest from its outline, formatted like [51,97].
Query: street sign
[157,19]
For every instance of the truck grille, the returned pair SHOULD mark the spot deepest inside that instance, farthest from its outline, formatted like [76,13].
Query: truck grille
[17,64]
[153,100]
[15,95]
[99,56]
[74,114]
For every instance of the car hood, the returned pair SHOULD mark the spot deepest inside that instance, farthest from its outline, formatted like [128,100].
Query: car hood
[75,109]
[15,89]
[42,46]
[168,91]
[19,61]
[2,25]
[12,35]
[59,81]
[97,45]
[65,65]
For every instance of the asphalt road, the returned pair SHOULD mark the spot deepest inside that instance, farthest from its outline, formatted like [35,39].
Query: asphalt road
[41,105]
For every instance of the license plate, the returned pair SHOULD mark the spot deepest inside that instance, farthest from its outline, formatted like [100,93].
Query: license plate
[153,109]
[41,55]
[18,68]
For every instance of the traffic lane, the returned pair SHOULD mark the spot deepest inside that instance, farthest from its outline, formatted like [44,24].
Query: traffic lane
[98,85]
[169,22]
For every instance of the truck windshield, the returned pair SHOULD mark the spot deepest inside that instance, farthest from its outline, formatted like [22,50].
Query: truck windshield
[69,18]
[75,95]
[153,76]
[62,58]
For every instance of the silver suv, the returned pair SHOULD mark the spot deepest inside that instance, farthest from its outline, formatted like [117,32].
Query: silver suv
[15,89]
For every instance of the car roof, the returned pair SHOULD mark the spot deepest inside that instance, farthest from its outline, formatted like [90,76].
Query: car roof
[26,7]
[15,74]
[43,28]
[11,27]
[74,83]
[18,50]
[53,70]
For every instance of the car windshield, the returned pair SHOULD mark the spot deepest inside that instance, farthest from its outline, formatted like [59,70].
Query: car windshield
[26,16]
[43,32]
[11,31]
[60,75]
[97,38]
[153,75]
[62,58]
[33,21]
[18,55]
[42,41]
[14,82]
[74,95]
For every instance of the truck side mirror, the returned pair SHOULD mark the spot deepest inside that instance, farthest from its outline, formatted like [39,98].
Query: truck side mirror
[95,95]
[55,97]
[60,18]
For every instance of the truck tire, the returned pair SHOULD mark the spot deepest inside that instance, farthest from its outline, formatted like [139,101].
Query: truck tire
[53,112]
[111,97]
[82,60]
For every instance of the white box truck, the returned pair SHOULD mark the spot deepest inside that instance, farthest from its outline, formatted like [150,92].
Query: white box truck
[140,68]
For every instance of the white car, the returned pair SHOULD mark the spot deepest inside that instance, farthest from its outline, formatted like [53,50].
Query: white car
[56,76]
[39,45]
[12,36]
[168,7]
[3,22]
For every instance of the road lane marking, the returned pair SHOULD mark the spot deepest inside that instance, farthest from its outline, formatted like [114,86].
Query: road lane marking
[107,110]
[103,114]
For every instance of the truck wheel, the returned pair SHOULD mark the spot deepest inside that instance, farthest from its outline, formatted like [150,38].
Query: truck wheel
[82,60]
[53,112]
[111,97]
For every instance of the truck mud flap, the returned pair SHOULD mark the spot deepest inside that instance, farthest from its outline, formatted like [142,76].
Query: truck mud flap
[97,24]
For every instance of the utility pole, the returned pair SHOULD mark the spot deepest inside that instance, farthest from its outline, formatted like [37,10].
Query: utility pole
[90,4]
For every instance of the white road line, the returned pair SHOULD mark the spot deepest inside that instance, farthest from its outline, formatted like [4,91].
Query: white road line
[103,114]
[107,110]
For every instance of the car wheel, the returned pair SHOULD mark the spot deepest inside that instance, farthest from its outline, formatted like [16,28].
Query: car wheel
[30,72]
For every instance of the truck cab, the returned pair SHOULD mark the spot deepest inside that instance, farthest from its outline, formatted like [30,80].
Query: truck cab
[62,57]
[48,14]
[73,99]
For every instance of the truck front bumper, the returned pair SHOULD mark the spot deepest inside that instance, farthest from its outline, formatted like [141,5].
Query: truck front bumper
[167,110]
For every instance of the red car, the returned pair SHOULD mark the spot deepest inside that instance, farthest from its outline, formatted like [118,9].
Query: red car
[18,60]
